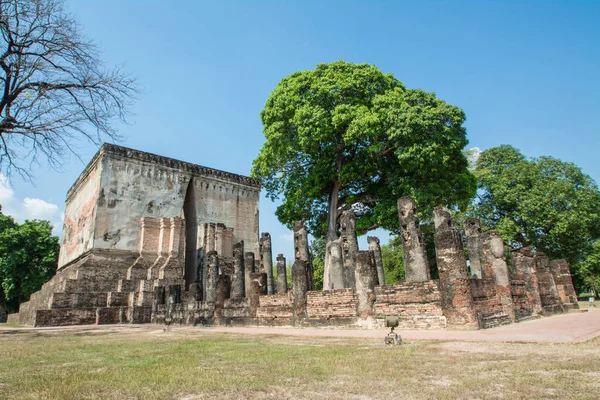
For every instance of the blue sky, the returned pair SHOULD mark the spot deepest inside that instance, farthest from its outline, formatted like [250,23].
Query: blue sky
[525,72]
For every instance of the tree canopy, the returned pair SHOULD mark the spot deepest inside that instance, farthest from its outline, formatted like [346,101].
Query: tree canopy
[542,202]
[54,88]
[28,258]
[347,136]
[589,270]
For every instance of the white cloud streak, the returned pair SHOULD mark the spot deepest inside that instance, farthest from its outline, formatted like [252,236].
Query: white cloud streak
[28,208]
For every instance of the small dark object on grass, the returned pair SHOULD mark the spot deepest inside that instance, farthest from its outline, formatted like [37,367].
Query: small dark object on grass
[392,338]
[168,321]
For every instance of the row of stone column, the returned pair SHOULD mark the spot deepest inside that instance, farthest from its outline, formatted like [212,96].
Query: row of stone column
[341,256]
[454,281]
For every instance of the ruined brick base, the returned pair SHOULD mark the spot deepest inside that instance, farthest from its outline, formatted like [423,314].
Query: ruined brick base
[90,291]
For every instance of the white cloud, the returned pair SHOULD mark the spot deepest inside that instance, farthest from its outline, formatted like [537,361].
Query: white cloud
[29,208]
[288,237]
[40,209]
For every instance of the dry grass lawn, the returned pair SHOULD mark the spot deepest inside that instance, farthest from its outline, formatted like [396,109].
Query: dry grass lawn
[195,364]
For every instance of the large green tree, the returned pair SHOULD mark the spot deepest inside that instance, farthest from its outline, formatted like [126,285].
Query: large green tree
[349,136]
[28,258]
[542,202]
[393,260]
[589,270]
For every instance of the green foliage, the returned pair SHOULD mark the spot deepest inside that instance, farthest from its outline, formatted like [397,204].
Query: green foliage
[393,260]
[589,270]
[317,251]
[28,258]
[428,232]
[351,127]
[542,202]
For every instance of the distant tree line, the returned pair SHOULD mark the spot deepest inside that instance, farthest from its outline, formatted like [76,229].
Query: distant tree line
[28,258]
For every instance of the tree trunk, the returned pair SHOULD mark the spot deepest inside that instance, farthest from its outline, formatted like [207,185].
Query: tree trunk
[331,229]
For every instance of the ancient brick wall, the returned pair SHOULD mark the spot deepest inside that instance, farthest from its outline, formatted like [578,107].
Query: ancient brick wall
[331,303]
[549,295]
[418,304]
[564,283]
[488,304]
[523,306]
[275,309]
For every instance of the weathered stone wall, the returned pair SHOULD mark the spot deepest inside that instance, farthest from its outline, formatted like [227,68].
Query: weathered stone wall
[525,271]
[136,184]
[327,304]
[80,213]
[488,304]
[124,235]
[418,304]
[121,185]
[564,283]
[275,309]
[523,307]
[548,291]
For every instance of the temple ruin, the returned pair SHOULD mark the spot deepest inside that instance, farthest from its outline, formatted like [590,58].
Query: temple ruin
[152,239]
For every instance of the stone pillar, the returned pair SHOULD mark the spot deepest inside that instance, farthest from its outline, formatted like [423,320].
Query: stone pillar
[455,287]
[163,248]
[349,246]
[261,278]
[474,242]
[493,248]
[173,297]
[223,240]
[564,282]
[238,285]
[148,247]
[548,290]
[416,266]
[212,275]
[266,259]
[299,289]
[210,231]
[255,290]
[365,276]
[222,293]
[376,249]
[336,265]
[524,263]
[173,266]
[281,275]
[302,252]
[248,270]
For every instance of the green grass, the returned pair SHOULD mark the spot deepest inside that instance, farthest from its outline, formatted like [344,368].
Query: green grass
[7,325]
[191,363]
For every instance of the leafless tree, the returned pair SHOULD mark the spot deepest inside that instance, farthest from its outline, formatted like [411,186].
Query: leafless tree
[54,88]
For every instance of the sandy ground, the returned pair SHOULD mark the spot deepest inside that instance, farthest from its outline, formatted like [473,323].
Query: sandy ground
[574,327]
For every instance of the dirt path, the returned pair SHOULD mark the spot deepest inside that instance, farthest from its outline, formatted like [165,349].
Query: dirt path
[567,328]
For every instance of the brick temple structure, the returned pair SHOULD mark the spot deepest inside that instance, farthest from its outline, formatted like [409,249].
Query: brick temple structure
[152,239]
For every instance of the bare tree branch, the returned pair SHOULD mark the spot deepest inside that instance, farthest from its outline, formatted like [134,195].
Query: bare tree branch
[54,89]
